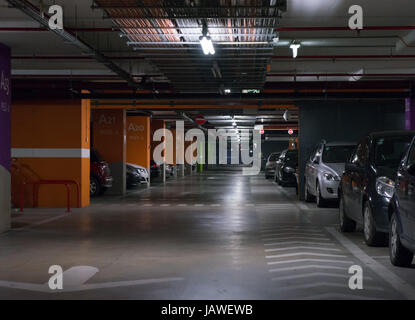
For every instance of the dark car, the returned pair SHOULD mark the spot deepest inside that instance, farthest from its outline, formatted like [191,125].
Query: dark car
[136,175]
[270,165]
[100,176]
[155,170]
[286,167]
[367,185]
[402,213]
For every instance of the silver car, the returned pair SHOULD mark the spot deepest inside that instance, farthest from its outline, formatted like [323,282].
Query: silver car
[270,165]
[324,170]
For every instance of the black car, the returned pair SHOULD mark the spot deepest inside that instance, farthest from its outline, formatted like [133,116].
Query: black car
[286,167]
[136,175]
[402,213]
[367,185]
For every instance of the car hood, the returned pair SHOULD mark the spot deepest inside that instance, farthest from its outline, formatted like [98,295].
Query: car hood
[138,167]
[337,168]
[387,172]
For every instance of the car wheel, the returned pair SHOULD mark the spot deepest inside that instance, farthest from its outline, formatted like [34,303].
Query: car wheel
[372,237]
[307,195]
[346,224]
[94,187]
[321,202]
[399,255]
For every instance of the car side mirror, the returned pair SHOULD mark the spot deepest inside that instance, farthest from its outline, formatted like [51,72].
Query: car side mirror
[411,169]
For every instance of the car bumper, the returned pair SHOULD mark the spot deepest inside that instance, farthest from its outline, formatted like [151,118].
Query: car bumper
[380,212]
[107,183]
[329,189]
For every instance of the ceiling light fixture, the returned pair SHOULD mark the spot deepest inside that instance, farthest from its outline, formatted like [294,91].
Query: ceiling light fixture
[206,41]
[294,47]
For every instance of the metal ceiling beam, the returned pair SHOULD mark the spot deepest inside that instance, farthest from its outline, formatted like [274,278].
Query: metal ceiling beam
[196,8]
[189,17]
[33,12]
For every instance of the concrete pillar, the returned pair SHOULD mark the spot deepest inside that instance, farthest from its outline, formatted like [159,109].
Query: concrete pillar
[50,141]
[138,141]
[410,114]
[109,138]
[5,100]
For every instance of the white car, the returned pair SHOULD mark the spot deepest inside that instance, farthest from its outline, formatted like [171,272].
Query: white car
[324,170]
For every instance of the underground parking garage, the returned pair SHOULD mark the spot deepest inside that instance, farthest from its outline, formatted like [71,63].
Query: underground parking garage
[207,150]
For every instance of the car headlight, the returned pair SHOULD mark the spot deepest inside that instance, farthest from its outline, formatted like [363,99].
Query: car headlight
[331,177]
[385,187]
[289,169]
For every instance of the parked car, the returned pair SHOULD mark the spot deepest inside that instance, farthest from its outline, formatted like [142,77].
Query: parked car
[270,165]
[367,185]
[324,169]
[136,175]
[155,170]
[285,168]
[100,176]
[170,170]
[402,213]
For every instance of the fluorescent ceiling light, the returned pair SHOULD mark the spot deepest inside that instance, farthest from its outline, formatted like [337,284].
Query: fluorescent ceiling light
[294,47]
[207,45]
[227,90]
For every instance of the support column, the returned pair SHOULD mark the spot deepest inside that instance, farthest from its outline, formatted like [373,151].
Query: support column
[138,142]
[109,138]
[50,141]
[156,125]
[5,99]
[410,114]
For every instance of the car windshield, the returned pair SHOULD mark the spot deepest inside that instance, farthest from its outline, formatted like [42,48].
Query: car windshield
[273,157]
[337,154]
[291,158]
[389,151]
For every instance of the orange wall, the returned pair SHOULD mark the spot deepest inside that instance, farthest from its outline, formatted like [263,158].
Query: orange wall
[51,125]
[109,134]
[138,141]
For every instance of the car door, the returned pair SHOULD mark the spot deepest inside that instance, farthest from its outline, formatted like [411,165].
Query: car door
[347,181]
[309,171]
[358,180]
[409,205]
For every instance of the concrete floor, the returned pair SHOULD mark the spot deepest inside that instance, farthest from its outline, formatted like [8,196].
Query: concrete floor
[217,235]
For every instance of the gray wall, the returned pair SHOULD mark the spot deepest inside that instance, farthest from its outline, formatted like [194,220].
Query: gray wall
[344,122]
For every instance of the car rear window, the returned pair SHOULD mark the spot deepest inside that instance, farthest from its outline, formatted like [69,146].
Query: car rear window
[337,154]
[389,151]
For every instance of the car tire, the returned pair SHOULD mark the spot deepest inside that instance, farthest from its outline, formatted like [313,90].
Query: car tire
[95,187]
[307,195]
[399,255]
[321,202]
[373,238]
[346,224]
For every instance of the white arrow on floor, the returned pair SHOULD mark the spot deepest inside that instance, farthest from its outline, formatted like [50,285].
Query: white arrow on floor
[74,279]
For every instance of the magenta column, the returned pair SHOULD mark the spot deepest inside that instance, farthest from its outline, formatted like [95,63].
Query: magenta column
[410,114]
[5,102]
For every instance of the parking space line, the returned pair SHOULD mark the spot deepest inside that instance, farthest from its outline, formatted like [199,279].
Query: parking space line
[315,274]
[396,282]
[300,242]
[290,233]
[328,284]
[298,238]
[301,248]
[305,253]
[42,222]
[313,266]
[308,260]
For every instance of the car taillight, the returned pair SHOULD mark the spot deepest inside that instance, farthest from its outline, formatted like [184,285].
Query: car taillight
[154,166]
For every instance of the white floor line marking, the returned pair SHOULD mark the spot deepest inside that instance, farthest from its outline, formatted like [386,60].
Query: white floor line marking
[300,242]
[380,257]
[215,205]
[301,248]
[338,296]
[316,274]
[305,253]
[41,222]
[310,231]
[308,260]
[289,233]
[297,238]
[396,282]
[313,266]
[199,205]
[328,284]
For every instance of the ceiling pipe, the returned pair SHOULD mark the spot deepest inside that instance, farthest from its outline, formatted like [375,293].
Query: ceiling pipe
[33,12]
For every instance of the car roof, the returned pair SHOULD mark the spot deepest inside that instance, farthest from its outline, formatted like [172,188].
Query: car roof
[391,133]
[340,143]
